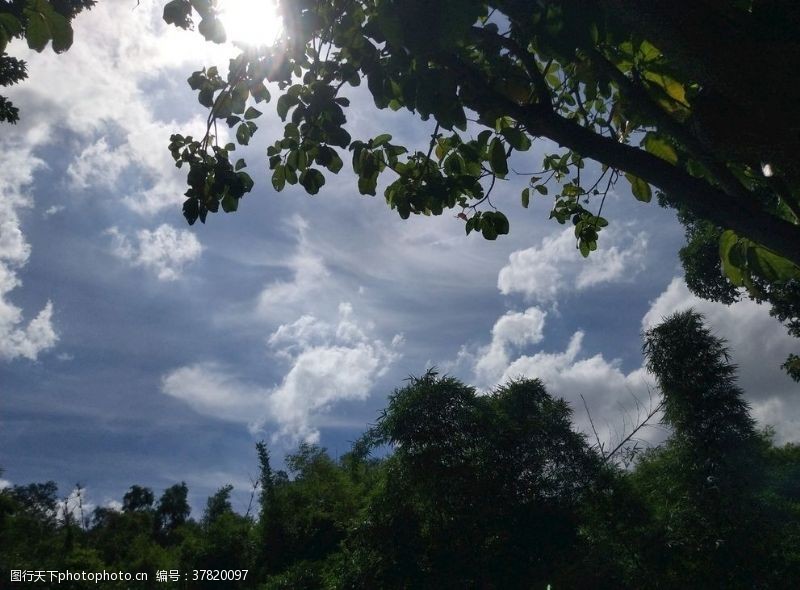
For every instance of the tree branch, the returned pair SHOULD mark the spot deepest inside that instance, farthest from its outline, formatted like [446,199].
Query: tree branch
[742,214]
[668,125]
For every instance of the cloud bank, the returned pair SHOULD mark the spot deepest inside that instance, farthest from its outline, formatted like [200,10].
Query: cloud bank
[327,363]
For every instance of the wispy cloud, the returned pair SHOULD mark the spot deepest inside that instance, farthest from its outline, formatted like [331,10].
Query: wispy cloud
[164,251]
[327,364]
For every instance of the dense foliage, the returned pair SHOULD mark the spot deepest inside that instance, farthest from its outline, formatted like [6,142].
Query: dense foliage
[452,489]
[39,22]
[690,99]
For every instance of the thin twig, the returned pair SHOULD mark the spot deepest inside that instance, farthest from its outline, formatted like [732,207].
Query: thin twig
[594,430]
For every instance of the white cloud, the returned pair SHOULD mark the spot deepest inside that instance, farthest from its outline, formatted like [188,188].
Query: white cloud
[53,210]
[4,483]
[542,273]
[16,338]
[77,505]
[95,90]
[613,397]
[98,165]
[513,329]
[106,90]
[39,335]
[328,363]
[309,278]
[609,391]
[211,390]
[164,251]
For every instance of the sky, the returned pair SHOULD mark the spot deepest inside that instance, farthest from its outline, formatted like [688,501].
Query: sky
[135,349]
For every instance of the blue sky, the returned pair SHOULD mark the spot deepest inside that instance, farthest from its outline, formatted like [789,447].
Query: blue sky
[135,349]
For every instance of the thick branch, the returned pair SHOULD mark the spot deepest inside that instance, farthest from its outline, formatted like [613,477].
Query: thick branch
[667,124]
[741,214]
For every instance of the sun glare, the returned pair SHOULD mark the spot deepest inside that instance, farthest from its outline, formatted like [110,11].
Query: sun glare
[252,22]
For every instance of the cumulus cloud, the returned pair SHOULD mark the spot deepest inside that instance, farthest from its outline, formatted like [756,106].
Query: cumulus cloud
[328,362]
[542,273]
[512,330]
[116,58]
[16,338]
[164,251]
[95,91]
[611,394]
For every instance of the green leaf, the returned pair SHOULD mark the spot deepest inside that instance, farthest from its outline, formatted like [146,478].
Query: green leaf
[291,174]
[497,157]
[247,182]
[285,102]
[670,86]
[229,203]
[211,28]
[526,197]
[279,177]
[10,24]
[641,190]
[240,163]
[454,164]
[243,134]
[206,96]
[381,140]
[251,113]
[312,180]
[61,32]
[259,92]
[191,210]
[37,33]
[516,138]
[728,242]
[660,148]
[470,225]
[178,13]
[771,266]
[335,164]
[500,222]
[4,39]
[367,185]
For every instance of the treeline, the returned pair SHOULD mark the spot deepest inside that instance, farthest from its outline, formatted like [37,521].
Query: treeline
[492,491]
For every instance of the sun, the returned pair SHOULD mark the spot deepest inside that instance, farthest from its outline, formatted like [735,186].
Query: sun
[251,22]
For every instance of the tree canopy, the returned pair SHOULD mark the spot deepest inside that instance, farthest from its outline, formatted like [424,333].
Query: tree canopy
[452,489]
[39,22]
[691,101]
